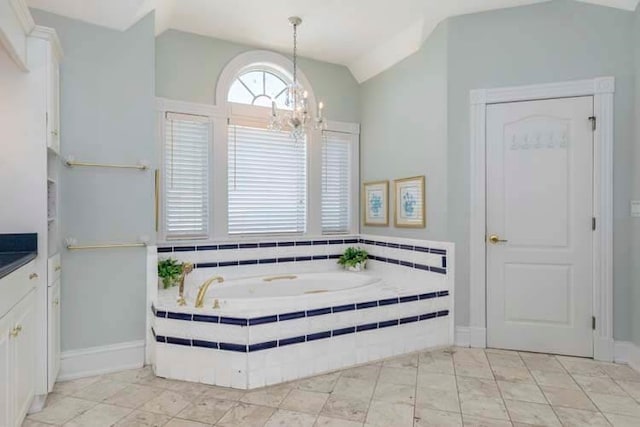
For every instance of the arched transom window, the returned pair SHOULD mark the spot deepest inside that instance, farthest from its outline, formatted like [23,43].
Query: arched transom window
[260,86]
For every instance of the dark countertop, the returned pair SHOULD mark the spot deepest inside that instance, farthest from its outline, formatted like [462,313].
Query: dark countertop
[17,250]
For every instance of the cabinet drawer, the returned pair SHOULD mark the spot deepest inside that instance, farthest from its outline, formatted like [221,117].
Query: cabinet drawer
[54,267]
[16,285]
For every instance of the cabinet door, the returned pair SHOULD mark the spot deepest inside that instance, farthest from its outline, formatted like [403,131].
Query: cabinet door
[23,345]
[53,101]
[53,347]
[6,401]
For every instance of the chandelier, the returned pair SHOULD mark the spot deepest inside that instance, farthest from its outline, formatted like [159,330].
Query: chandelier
[298,119]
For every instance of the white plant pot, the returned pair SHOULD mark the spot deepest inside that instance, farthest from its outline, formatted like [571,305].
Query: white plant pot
[358,267]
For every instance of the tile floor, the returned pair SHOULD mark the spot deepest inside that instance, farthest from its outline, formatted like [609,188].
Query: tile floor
[451,387]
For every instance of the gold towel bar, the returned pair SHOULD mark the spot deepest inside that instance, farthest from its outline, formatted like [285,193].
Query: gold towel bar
[72,163]
[106,246]
[287,277]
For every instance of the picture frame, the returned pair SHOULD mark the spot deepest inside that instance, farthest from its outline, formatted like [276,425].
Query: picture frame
[410,203]
[375,202]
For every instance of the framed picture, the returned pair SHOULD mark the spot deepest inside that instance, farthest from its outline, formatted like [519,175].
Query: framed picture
[376,205]
[410,204]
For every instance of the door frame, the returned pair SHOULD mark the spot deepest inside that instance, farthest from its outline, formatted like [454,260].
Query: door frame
[602,89]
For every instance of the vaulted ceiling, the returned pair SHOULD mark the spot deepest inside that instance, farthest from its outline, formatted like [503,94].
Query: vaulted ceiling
[368,36]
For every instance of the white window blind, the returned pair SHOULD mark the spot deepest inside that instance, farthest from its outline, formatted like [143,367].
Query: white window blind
[267,181]
[336,182]
[186,176]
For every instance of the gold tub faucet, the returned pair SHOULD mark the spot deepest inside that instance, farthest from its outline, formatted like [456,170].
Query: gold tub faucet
[203,290]
[186,269]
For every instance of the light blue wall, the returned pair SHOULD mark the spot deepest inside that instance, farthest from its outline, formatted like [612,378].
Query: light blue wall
[404,131]
[549,42]
[107,115]
[188,66]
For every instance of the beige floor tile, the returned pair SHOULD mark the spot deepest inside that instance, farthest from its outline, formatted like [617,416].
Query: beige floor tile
[285,418]
[100,390]
[133,396]
[474,371]
[621,372]
[62,411]
[310,402]
[484,422]
[622,405]
[246,415]
[470,356]
[483,407]
[385,414]
[158,382]
[177,422]
[323,383]
[189,391]
[270,396]
[223,393]
[206,410]
[541,362]
[353,387]
[30,423]
[554,379]
[409,361]
[347,408]
[100,415]
[143,419]
[367,373]
[631,387]
[323,421]
[478,387]
[506,360]
[570,417]
[531,413]
[166,403]
[581,366]
[521,391]
[438,400]
[592,384]
[70,387]
[517,374]
[395,393]
[52,398]
[568,398]
[438,419]
[622,420]
[130,375]
[406,376]
[437,381]
[436,362]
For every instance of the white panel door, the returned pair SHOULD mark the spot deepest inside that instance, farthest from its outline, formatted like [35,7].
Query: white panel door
[540,209]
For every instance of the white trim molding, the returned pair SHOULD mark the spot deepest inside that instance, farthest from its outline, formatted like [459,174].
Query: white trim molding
[602,89]
[629,353]
[92,361]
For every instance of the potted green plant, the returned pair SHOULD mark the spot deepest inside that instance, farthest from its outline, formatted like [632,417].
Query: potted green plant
[354,259]
[169,271]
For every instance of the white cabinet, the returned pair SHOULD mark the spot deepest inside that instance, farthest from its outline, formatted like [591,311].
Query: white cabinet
[53,334]
[17,361]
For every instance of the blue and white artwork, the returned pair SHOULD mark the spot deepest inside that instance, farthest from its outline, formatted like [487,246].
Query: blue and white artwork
[410,202]
[376,206]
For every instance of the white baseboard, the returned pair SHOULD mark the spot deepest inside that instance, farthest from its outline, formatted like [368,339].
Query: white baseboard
[627,352]
[92,361]
[462,336]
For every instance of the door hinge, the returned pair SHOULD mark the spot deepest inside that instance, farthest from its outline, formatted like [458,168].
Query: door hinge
[593,223]
[594,123]
[593,322]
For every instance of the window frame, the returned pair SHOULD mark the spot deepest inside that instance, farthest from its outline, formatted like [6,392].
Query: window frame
[220,115]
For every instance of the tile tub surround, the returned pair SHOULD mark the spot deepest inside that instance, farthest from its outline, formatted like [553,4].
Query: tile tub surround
[411,310]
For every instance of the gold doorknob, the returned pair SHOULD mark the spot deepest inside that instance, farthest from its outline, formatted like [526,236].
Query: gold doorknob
[33,276]
[495,239]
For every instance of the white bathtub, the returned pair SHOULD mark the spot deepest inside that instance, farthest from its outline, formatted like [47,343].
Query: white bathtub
[278,291]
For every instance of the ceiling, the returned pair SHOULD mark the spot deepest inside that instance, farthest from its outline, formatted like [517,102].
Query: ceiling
[368,36]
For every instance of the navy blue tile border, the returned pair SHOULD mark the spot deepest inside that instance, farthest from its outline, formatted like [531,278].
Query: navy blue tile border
[320,242]
[244,348]
[237,321]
